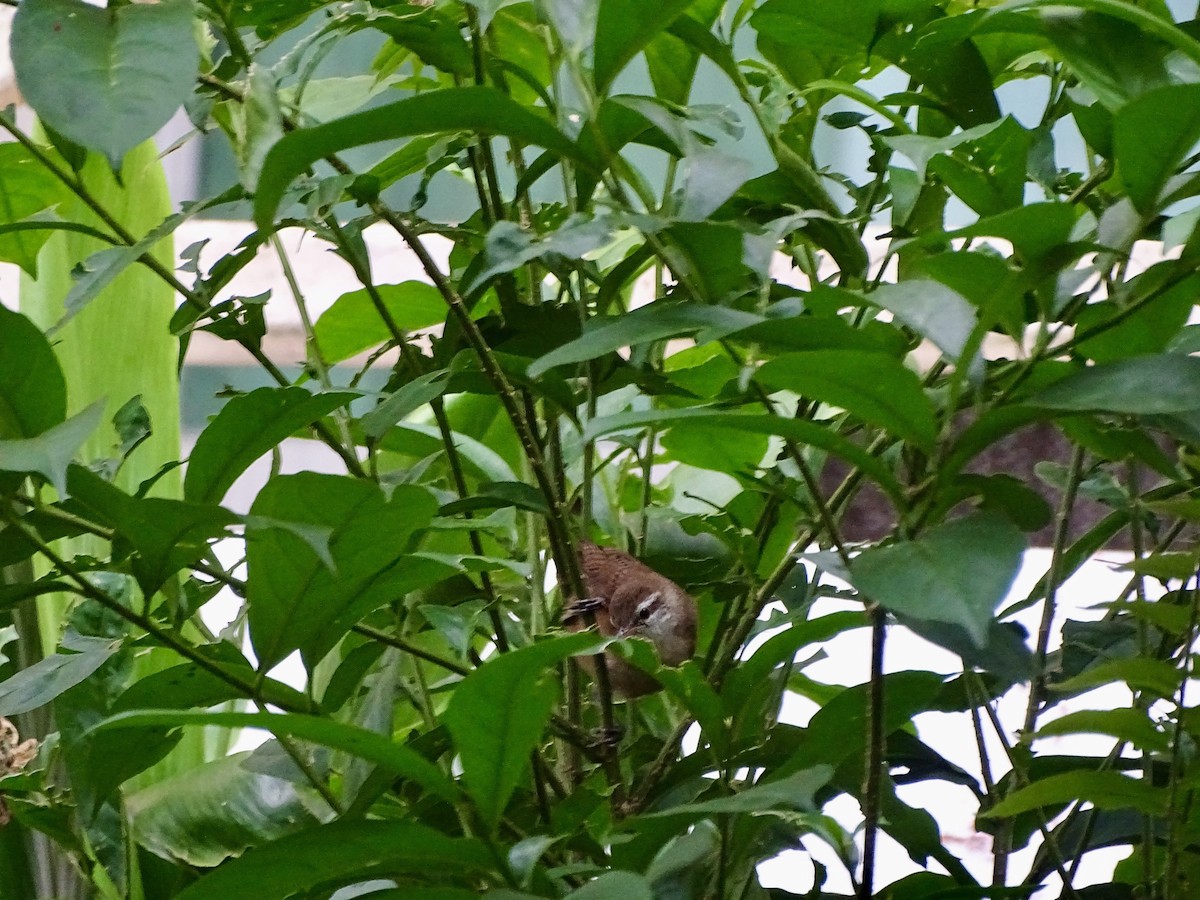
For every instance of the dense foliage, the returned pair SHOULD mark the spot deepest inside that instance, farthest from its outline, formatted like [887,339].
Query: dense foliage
[658,316]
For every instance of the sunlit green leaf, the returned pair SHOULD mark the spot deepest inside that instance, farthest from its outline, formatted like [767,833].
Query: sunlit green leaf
[354,323]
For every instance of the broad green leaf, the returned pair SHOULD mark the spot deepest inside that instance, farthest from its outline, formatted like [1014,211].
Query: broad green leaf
[398,759]
[245,429]
[296,602]
[933,311]
[354,324]
[1138,673]
[1104,790]
[832,26]
[803,432]
[1132,725]
[795,792]
[52,451]
[672,57]
[1151,136]
[508,246]
[710,177]
[1034,230]
[957,572]
[43,681]
[655,322]
[418,440]
[476,109]
[404,401]
[779,650]
[614,886]
[1116,60]
[107,79]
[871,386]
[166,535]
[339,853]
[1142,385]
[215,811]
[33,394]
[26,188]
[838,730]
[623,29]
[494,734]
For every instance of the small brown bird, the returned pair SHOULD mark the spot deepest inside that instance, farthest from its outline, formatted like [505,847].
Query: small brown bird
[629,599]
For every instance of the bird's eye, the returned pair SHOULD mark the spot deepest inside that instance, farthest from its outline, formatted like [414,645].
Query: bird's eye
[644,613]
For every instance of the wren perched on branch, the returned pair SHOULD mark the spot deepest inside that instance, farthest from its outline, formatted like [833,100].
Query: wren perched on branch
[629,599]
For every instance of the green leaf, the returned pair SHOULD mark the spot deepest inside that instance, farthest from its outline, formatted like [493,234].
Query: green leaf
[1138,673]
[803,432]
[52,451]
[207,814]
[871,386]
[495,735]
[33,393]
[354,324]
[166,535]
[339,853]
[655,322]
[26,188]
[1141,385]
[106,79]
[480,110]
[508,246]
[1131,725]
[296,602]
[795,792]
[957,572]
[623,29]
[1104,790]
[614,886]
[1151,136]
[397,759]
[405,401]
[43,681]
[246,428]
[933,311]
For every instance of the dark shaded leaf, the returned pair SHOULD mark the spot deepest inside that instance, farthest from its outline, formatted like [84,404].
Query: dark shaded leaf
[33,394]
